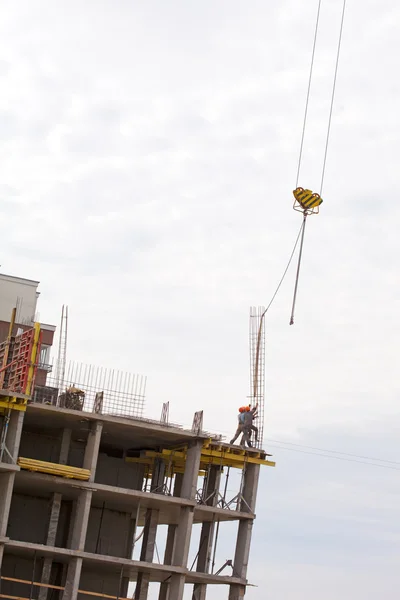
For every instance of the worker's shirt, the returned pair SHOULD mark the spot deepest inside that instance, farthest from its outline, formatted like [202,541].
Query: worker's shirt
[248,418]
[241,418]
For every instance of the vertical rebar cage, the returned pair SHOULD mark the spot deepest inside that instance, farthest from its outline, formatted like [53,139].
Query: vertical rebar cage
[257,366]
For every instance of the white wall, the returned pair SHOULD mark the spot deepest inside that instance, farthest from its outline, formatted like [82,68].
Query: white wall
[12,289]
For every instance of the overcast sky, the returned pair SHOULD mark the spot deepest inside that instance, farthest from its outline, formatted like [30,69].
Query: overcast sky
[148,156]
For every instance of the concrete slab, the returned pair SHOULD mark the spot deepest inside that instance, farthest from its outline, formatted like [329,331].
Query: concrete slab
[111,564]
[7,468]
[12,394]
[119,431]
[193,577]
[96,561]
[122,499]
[206,514]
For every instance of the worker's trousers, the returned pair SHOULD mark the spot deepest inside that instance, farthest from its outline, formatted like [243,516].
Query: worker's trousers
[247,435]
[239,430]
[255,429]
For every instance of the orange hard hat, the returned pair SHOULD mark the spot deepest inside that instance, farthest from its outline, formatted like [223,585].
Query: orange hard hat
[241,409]
[247,408]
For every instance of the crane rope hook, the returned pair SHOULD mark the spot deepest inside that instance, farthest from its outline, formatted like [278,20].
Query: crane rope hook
[303,227]
[305,201]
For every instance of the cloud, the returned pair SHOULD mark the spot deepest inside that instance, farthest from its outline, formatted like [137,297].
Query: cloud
[148,155]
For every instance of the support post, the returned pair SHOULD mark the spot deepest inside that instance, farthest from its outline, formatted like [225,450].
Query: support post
[81,514]
[207,531]
[184,528]
[250,485]
[65,446]
[55,507]
[191,474]
[13,436]
[170,543]
[7,479]
[72,579]
[147,552]
[150,531]
[92,449]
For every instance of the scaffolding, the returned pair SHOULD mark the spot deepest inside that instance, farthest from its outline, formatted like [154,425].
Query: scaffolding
[213,454]
[18,357]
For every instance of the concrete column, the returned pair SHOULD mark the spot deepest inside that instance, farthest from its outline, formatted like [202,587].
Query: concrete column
[207,531]
[147,553]
[236,592]
[92,448]
[72,579]
[157,479]
[131,536]
[6,490]
[13,437]
[170,543]
[83,503]
[184,528]
[55,506]
[81,514]
[191,474]
[13,440]
[250,487]
[81,520]
[65,445]
[150,531]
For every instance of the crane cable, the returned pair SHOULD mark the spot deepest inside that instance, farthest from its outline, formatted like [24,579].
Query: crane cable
[256,361]
[308,93]
[305,214]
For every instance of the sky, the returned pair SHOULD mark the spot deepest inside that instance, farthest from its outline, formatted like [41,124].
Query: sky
[148,157]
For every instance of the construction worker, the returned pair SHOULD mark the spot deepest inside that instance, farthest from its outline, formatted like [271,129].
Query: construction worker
[239,429]
[248,427]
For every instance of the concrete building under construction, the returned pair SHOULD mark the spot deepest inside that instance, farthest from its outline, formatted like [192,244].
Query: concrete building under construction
[85,491]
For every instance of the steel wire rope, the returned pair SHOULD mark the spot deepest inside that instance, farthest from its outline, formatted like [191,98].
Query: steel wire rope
[308,93]
[360,462]
[256,361]
[303,226]
[333,95]
[345,454]
[301,151]
[392,462]
[327,134]
[284,273]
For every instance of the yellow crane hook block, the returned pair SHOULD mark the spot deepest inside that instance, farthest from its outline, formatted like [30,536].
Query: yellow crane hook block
[308,200]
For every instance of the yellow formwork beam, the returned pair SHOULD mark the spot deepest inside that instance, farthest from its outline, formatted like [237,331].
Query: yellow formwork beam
[177,467]
[225,457]
[49,468]
[8,403]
